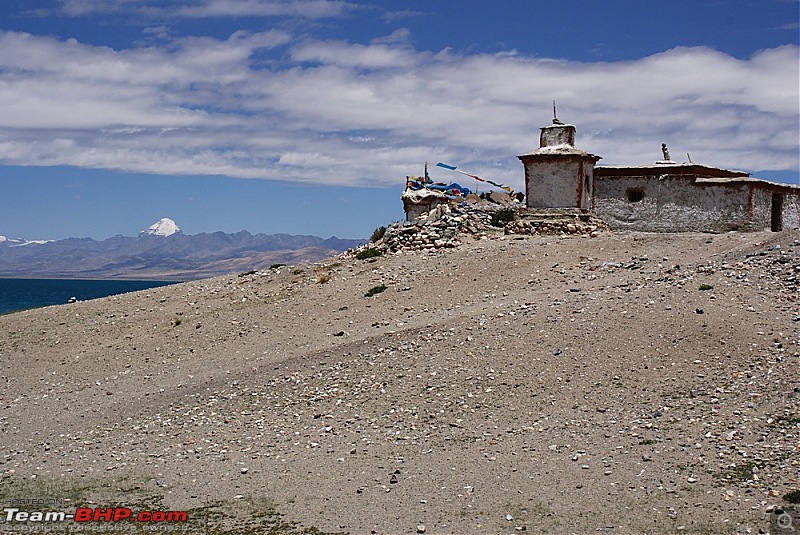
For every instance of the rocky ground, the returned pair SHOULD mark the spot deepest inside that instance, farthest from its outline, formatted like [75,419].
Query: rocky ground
[628,383]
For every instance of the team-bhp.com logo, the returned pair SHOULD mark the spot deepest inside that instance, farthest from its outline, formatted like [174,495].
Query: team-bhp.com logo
[97,514]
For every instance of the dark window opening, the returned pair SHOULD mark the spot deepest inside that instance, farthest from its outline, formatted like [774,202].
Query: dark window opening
[634,195]
[777,213]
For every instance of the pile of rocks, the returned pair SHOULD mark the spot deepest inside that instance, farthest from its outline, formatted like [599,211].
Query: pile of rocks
[440,227]
[417,236]
[555,221]
[436,229]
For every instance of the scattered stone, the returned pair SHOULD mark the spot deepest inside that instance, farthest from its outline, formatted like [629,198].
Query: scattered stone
[473,364]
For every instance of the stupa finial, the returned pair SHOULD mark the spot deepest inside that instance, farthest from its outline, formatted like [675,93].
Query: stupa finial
[555,115]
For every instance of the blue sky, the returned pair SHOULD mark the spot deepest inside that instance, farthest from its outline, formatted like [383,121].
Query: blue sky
[305,117]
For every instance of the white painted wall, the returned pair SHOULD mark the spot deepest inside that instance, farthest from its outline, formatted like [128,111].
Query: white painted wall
[551,184]
[414,210]
[791,212]
[557,134]
[554,183]
[674,204]
[762,210]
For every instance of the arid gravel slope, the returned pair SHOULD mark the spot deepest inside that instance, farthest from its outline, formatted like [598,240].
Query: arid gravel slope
[631,383]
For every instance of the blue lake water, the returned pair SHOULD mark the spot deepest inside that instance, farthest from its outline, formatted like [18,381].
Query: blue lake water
[20,294]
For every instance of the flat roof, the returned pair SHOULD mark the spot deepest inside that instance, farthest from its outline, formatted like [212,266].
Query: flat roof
[698,173]
[748,180]
[679,169]
[559,150]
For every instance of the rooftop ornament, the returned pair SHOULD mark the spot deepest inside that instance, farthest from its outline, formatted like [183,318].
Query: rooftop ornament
[665,154]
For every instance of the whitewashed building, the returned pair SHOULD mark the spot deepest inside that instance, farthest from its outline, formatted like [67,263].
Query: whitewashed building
[676,197]
[665,196]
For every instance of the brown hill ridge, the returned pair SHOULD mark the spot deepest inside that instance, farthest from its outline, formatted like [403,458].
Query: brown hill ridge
[629,383]
[175,256]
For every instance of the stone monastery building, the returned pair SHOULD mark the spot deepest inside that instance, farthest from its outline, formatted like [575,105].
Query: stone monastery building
[665,196]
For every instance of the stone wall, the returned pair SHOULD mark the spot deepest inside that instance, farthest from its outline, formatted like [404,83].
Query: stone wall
[762,209]
[791,212]
[556,221]
[672,204]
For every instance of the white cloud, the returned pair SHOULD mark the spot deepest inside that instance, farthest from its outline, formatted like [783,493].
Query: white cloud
[312,9]
[227,8]
[374,56]
[369,114]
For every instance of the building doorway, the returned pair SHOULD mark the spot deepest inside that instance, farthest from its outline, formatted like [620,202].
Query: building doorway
[777,212]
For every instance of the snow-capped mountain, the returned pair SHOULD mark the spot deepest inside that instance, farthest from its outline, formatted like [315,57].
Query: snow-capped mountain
[150,256]
[4,241]
[163,227]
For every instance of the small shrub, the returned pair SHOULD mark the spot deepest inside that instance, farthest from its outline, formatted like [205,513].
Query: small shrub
[501,217]
[176,322]
[740,473]
[369,252]
[704,287]
[377,234]
[297,271]
[276,266]
[375,290]
[248,273]
[322,278]
[792,497]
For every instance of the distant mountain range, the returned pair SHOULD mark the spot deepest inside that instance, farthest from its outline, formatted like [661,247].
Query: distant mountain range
[161,252]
